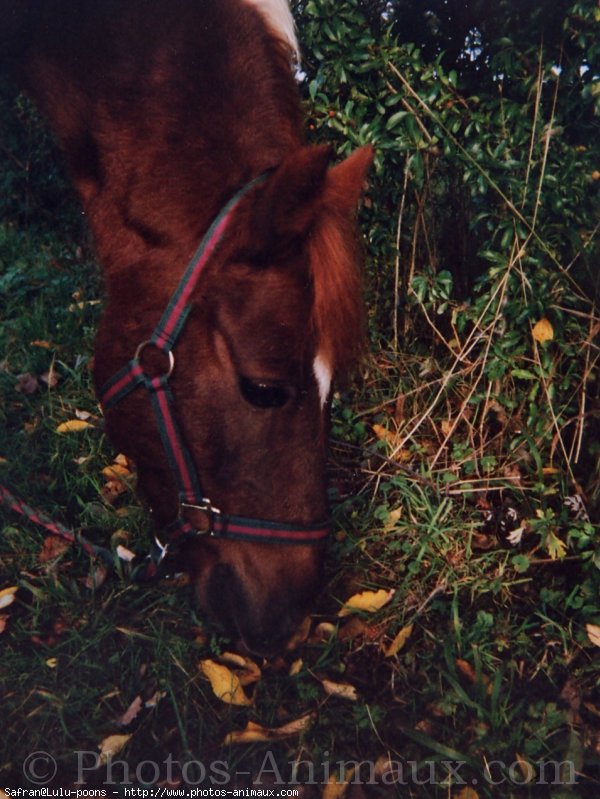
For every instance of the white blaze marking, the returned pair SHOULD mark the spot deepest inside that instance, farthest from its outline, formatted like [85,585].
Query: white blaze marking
[322,374]
[278,15]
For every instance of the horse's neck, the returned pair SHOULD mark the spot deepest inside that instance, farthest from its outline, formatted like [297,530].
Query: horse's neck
[160,126]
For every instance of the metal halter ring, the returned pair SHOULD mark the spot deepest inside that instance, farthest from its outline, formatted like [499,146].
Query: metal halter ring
[210,512]
[168,353]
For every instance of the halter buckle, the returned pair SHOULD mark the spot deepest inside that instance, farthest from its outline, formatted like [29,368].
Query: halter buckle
[208,509]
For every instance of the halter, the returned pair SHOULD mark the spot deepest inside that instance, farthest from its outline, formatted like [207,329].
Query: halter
[191,496]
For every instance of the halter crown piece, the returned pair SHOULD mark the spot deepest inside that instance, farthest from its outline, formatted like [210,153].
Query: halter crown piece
[191,496]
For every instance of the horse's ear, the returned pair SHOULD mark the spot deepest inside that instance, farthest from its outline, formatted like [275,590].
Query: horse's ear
[346,181]
[301,188]
[285,208]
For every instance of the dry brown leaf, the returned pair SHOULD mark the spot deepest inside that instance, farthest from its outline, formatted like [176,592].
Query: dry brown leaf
[4,617]
[131,712]
[45,345]
[593,631]
[96,578]
[366,601]
[469,672]
[247,670]
[111,746]
[255,732]
[7,596]
[26,383]
[52,548]
[72,426]
[542,331]
[225,684]
[400,639]
[343,690]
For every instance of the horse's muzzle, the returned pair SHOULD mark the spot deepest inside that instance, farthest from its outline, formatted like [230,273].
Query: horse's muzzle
[264,623]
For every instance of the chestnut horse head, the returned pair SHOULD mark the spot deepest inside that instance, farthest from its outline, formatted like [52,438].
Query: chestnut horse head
[166,111]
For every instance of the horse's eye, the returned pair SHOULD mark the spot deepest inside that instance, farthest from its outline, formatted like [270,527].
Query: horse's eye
[262,394]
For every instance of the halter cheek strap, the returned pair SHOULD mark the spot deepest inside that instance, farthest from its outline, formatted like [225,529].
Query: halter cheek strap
[133,375]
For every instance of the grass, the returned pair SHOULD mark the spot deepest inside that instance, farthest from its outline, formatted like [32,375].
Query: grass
[495,676]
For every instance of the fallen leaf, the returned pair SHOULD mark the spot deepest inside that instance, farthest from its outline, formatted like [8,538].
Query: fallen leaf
[469,672]
[250,734]
[112,489]
[125,554]
[115,471]
[52,548]
[111,746]
[295,668]
[366,601]
[593,631]
[26,383]
[383,434]
[467,793]
[97,578]
[355,627]
[400,639]
[343,690]
[253,732]
[4,617]
[7,596]
[225,684]
[52,663]
[542,331]
[72,426]
[324,631]
[50,378]
[466,669]
[155,699]
[45,345]
[247,670]
[131,712]
[336,789]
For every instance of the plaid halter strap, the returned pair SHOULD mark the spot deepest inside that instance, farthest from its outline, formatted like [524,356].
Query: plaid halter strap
[164,338]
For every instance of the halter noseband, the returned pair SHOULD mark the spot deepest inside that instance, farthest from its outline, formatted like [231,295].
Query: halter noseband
[191,496]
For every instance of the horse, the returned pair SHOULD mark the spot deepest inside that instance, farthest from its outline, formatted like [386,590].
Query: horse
[231,260]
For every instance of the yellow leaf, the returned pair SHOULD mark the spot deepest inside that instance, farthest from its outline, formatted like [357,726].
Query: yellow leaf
[383,434]
[398,643]
[467,793]
[225,684]
[7,596]
[343,690]
[52,663]
[296,667]
[446,426]
[336,789]
[72,426]
[111,746]
[366,601]
[115,470]
[542,331]
[593,631]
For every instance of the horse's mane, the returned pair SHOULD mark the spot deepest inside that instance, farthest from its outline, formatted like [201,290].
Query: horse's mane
[338,315]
